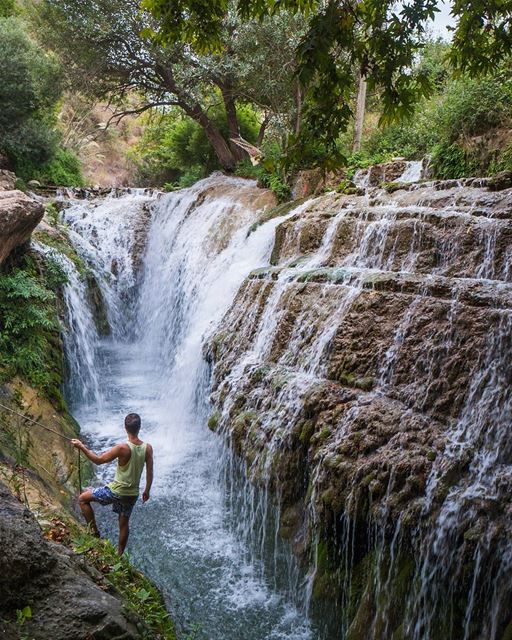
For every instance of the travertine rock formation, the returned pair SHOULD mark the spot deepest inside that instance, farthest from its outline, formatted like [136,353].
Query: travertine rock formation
[365,379]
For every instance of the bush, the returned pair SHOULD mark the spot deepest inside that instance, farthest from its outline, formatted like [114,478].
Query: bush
[29,325]
[175,146]
[63,170]
[444,125]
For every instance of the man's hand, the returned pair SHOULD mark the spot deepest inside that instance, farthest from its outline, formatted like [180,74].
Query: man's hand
[77,444]
[145,496]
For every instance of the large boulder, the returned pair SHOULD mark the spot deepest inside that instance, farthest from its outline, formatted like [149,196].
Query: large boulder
[59,587]
[19,215]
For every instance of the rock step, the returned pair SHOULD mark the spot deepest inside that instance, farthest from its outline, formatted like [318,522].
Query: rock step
[494,294]
[452,245]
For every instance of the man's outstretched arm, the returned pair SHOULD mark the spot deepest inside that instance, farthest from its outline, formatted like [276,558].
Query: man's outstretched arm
[103,458]
[149,473]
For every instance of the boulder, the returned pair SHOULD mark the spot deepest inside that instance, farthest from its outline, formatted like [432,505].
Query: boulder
[59,587]
[500,181]
[19,215]
[7,180]
[306,183]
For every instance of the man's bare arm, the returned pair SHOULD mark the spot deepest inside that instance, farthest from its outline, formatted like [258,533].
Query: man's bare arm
[103,458]
[149,472]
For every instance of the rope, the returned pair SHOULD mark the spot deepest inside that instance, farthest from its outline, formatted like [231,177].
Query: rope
[35,422]
[57,433]
[79,472]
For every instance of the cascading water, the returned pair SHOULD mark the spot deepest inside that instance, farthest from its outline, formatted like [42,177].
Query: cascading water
[195,537]
[362,383]
[395,437]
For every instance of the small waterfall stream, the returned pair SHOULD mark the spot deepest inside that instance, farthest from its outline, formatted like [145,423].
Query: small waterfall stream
[363,323]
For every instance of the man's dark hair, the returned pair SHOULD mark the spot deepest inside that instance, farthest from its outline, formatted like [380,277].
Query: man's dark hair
[132,423]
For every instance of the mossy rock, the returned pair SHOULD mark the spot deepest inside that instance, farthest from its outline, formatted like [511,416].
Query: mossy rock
[391,187]
[213,421]
[281,210]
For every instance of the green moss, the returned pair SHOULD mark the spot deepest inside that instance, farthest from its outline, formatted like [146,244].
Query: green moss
[365,384]
[242,423]
[307,430]
[279,380]
[345,378]
[60,243]
[391,187]
[259,374]
[213,421]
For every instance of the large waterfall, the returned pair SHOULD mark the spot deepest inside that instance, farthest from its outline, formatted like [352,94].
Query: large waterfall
[360,350]
[188,537]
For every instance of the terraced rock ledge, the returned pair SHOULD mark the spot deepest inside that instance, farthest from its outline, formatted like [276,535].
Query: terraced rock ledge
[365,380]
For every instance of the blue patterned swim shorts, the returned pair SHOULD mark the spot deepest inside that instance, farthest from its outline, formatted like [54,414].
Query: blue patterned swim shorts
[123,505]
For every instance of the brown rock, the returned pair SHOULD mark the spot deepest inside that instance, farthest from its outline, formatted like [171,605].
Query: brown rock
[7,180]
[58,585]
[19,215]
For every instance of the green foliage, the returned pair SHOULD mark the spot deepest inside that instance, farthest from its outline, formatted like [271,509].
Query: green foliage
[270,173]
[29,89]
[7,8]
[377,39]
[64,169]
[444,126]
[137,592]
[175,150]
[22,615]
[29,327]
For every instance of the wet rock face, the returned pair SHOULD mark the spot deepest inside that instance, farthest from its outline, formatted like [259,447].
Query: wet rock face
[58,586]
[19,215]
[365,378]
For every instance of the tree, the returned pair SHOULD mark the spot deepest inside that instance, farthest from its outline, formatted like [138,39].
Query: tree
[379,39]
[112,49]
[29,89]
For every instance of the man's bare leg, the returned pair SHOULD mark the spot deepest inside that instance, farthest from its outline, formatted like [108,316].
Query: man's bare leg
[124,532]
[84,501]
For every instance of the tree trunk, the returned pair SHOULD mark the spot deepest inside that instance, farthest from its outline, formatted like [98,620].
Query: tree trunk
[298,107]
[222,150]
[360,111]
[232,120]
[225,155]
[263,128]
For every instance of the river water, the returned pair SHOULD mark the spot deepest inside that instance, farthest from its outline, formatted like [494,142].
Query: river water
[220,579]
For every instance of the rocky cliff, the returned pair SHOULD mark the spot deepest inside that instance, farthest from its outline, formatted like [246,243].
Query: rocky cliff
[67,599]
[365,380]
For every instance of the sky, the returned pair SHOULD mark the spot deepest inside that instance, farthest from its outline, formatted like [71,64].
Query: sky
[443,20]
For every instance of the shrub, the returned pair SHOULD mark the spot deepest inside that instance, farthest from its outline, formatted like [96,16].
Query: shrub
[63,170]
[174,145]
[29,326]
[441,126]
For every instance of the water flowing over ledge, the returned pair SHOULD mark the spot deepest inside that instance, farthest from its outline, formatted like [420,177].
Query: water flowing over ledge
[361,377]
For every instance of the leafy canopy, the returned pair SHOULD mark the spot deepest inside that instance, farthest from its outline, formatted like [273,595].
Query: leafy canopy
[380,39]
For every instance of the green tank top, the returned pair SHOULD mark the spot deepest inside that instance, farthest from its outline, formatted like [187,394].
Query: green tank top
[127,479]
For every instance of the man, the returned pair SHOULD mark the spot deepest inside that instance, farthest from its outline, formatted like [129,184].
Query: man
[123,491]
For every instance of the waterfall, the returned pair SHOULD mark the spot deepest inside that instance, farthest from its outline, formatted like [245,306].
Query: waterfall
[79,333]
[198,535]
[370,370]
[354,357]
